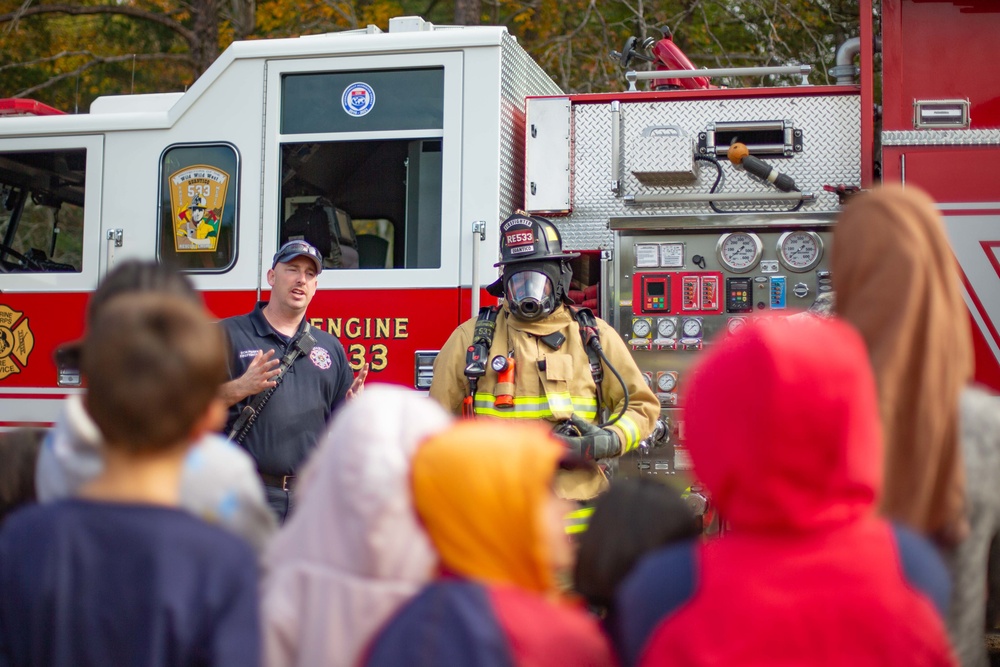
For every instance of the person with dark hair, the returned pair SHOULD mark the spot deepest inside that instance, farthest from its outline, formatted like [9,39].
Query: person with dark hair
[146,582]
[18,456]
[219,481]
[631,519]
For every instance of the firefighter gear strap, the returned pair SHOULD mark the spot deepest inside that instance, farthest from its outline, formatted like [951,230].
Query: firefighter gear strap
[478,354]
[593,443]
[303,343]
[588,332]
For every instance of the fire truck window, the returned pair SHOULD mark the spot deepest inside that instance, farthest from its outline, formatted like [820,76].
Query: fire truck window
[364,204]
[41,210]
[368,101]
[198,207]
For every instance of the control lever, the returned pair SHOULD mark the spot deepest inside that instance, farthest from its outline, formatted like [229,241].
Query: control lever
[739,154]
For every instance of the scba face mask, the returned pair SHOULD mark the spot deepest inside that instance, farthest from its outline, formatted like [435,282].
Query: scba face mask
[530,295]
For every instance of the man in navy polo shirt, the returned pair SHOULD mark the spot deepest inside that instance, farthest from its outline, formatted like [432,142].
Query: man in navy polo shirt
[295,416]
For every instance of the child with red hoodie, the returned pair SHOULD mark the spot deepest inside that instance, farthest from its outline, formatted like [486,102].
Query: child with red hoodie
[808,574]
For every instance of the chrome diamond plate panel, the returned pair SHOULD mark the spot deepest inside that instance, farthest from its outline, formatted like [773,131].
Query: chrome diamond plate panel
[941,138]
[520,76]
[831,155]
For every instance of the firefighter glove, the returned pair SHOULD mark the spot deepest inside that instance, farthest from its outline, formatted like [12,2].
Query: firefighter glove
[593,442]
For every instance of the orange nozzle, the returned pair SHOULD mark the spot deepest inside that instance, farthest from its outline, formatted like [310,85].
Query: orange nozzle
[737,152]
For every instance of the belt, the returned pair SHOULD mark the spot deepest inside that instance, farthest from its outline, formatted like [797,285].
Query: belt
[283,482]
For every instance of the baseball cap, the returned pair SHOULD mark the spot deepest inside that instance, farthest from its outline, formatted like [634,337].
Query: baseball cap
[293,249]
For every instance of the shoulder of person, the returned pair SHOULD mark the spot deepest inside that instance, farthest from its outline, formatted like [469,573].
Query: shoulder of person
[922,566]
[327,341]
[450,622]
[658,585]
[979,405]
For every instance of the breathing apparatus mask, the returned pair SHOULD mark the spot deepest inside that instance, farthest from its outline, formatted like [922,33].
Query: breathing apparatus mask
[534,290]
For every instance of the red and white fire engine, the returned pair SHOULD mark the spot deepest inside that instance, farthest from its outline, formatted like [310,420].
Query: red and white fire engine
[400,152]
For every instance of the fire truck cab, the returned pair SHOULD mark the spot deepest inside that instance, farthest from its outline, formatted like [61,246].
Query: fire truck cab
[382,149]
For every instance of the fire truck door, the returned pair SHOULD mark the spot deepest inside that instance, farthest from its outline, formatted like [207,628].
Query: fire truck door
[365,157]
[50,258]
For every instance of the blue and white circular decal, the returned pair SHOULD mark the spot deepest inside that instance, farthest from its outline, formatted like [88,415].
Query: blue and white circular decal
[358,99]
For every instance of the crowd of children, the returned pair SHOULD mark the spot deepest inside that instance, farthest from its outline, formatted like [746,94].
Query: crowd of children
[858,491]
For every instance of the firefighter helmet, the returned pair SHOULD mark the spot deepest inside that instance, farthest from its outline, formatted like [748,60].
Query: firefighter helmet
[536,271]
[197,202]
[526,238]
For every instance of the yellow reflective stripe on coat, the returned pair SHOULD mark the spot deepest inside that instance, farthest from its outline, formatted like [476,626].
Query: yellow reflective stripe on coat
[631,431]
[536,407]
[578,520]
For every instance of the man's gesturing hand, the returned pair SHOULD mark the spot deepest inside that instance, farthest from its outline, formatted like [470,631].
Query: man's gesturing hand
[359,383]
[261,373]
[258,377]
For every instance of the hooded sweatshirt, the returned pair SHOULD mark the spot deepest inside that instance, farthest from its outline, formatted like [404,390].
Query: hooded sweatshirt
[782,423]
[353,552]
[480,490]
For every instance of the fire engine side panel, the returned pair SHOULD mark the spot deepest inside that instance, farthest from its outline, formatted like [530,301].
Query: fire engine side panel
[831,155]
[939,51]
[956,167]
[683,273]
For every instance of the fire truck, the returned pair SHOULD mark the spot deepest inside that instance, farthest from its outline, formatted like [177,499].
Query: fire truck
[398,153]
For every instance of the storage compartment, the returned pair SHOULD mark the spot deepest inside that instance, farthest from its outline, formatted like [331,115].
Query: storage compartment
[662,156]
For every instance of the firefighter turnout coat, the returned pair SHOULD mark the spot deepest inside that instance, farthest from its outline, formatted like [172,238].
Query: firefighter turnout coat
[549,385]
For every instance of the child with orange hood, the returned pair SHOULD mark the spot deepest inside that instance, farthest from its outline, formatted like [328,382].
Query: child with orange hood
[485,496]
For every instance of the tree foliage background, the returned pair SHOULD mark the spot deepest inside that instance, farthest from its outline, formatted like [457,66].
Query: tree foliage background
[68,52]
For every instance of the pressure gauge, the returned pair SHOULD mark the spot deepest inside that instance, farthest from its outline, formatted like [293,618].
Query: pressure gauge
[800,251]
[666,382]
[739,252]
[691,327]
[666,327]
[641,327]
[735,324]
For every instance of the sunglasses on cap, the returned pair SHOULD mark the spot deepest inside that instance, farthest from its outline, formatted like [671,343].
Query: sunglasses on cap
[294,249]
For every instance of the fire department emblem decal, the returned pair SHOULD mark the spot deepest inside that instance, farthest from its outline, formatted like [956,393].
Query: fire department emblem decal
[197,196]
[358,99]
[320,358]
[16,341]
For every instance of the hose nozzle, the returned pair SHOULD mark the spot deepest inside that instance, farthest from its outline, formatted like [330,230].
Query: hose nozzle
[739,154]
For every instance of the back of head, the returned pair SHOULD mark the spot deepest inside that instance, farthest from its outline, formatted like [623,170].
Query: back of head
[353,551]
[806,453]
[897,282]
[354,513]
[153,363]
[479,491]
[634,517]
[136,275]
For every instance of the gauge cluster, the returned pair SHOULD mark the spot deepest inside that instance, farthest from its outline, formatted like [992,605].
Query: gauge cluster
[680,290]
